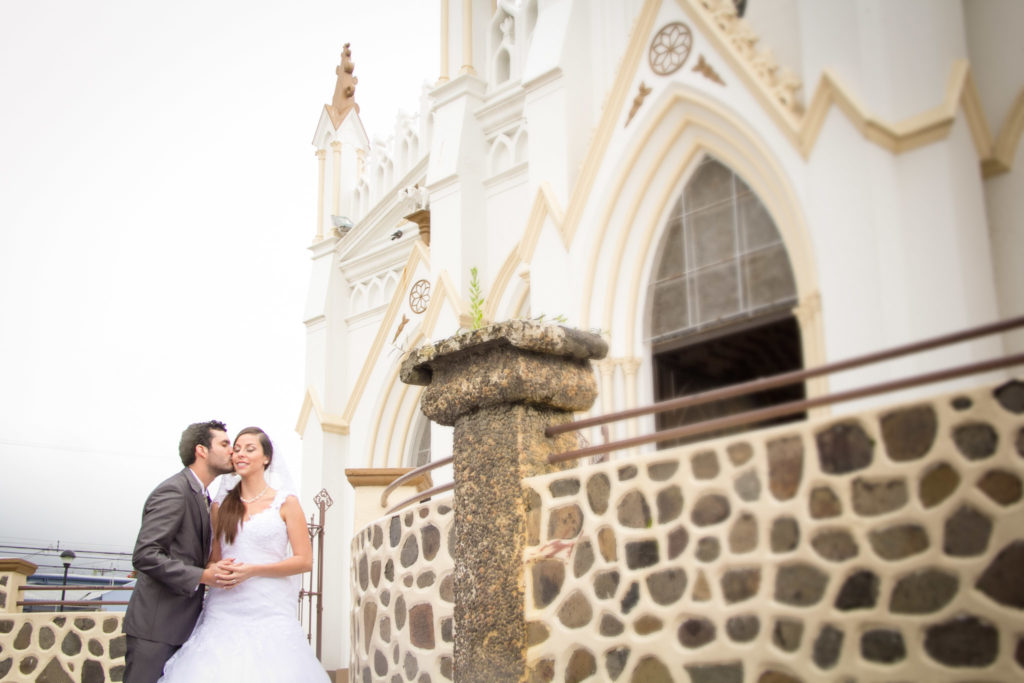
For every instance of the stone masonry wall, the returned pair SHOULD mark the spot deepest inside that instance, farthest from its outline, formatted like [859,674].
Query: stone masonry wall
[403,596]
[882,546]
[47,647]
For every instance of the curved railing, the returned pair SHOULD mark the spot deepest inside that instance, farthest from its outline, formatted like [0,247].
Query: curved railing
[785,379]
[749,417]
[412,475]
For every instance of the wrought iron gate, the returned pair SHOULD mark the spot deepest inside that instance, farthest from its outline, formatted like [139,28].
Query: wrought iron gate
[314,593]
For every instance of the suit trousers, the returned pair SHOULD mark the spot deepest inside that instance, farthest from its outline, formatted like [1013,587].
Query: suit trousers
[144,659]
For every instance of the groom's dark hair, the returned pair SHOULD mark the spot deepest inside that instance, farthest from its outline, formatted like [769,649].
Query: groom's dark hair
[197,434]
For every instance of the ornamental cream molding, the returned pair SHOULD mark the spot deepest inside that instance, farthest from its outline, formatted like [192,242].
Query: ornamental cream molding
[545,207]
[444,292]
[781,84]
[707,71]
[580,194]
[1004,147]
[398,402]
[417,256]
[921,129]
[311,405]
[777,89]
[382,476]
[642,92]
[392,405]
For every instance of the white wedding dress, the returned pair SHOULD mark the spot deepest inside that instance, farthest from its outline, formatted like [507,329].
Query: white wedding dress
[250,633]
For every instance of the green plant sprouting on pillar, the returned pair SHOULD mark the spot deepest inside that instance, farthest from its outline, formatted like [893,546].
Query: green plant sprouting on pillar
[476,299]
[476,305]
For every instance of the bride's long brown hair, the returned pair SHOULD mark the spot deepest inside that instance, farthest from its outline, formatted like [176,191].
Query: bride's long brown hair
[232,510]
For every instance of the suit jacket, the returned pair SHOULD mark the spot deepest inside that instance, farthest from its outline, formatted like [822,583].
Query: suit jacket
[170,554]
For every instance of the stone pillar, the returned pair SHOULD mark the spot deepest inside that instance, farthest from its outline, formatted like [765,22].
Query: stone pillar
[13,573]
[500,387]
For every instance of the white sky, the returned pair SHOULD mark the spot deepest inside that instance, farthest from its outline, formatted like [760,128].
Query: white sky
[157,194]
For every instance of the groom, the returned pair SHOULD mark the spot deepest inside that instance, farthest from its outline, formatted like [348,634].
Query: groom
[171,554]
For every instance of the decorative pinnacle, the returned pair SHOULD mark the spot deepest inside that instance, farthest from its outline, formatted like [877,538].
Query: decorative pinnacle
[345,88]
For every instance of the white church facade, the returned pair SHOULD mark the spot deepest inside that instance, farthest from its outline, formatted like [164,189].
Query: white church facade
[721,197]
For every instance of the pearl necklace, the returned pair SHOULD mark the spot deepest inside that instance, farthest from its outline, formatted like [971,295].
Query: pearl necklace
[254,498]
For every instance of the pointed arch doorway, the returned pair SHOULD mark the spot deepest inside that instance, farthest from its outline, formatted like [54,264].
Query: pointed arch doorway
[720,301]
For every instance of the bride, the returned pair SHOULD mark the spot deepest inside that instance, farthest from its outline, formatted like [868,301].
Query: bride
[248,630]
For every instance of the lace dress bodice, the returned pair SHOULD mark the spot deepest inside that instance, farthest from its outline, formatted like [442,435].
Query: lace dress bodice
[263,539]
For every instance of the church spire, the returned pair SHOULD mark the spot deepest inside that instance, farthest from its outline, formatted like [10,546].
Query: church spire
[344,98]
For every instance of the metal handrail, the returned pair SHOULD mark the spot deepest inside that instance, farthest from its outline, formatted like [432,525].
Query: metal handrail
[742,389]
[73,586]
[410,475]
[443,488]
[787,378]
[71,603]
[789,408]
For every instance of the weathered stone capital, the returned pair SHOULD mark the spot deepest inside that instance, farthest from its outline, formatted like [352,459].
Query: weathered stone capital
[516,361]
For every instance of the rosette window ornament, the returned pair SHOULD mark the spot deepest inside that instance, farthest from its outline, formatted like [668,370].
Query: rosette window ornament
[419,296]
[669,48]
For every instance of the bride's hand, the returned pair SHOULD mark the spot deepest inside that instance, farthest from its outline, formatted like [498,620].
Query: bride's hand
[235,574]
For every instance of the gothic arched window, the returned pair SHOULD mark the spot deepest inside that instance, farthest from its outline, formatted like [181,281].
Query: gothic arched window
[420,453]
[721,298]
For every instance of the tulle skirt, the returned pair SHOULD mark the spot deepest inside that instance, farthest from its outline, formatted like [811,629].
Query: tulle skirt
[248,634]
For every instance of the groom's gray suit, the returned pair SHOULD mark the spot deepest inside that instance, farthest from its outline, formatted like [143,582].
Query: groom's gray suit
[170,554]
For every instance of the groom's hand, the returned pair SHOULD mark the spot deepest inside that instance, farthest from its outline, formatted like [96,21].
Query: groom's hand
[209,577]
[215,574]
[234,574]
